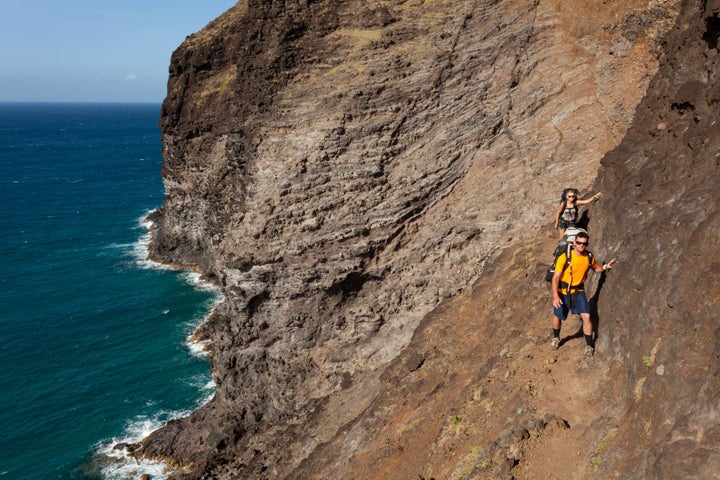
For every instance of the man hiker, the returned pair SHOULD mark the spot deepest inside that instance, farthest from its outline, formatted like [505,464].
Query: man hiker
[568,289]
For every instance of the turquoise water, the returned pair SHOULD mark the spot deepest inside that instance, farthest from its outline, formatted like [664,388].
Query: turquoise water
[93,338]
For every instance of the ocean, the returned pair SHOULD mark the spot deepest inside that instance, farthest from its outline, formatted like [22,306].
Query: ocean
[94,342]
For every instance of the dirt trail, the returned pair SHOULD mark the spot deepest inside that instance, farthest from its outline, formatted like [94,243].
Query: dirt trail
[567,389]
[563,384]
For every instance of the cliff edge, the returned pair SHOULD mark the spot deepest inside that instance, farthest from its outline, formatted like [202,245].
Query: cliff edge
[371,185]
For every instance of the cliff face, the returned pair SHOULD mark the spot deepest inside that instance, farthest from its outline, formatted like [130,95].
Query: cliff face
[371,185]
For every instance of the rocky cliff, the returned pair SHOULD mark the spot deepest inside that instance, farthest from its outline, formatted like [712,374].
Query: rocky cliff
[372,185]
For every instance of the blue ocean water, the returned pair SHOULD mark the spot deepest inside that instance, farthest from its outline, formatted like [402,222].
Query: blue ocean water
[93,339]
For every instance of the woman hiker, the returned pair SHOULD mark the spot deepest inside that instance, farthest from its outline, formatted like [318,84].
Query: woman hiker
[567,213]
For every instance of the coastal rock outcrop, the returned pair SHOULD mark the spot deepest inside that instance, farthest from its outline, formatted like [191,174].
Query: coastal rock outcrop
[371,185]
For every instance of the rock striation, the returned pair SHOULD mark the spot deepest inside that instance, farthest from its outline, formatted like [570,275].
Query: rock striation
[372,183]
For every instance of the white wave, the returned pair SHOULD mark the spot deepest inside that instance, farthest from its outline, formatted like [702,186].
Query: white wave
[140,249]
[198,349]
[209,389]
[206,387]
[140,252]
[195,279]
[117,463]
[144,219]
[120,246]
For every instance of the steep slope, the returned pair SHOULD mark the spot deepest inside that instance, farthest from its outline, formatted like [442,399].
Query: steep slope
[346,171]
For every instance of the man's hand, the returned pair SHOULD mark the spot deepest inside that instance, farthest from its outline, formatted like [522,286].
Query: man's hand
[557,301]
[608,265]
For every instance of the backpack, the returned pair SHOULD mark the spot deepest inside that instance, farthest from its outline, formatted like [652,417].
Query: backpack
[565,246]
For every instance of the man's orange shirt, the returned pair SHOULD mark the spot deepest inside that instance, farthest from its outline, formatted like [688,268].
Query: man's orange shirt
[575,273]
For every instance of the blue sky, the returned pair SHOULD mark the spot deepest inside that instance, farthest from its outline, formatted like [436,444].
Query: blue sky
[94,50]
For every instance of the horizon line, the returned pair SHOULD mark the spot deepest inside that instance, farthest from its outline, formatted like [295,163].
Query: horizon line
[83,102]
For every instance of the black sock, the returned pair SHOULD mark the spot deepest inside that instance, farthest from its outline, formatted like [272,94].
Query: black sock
[556,333]
[589,340]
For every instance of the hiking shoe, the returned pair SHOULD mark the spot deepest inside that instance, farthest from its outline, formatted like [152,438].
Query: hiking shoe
[589,351]
[555,343]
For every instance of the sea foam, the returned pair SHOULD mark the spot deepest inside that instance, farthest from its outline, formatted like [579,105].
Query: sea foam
[114,462]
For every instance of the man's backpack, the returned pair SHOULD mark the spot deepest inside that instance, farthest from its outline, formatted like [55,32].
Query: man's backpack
[565,246]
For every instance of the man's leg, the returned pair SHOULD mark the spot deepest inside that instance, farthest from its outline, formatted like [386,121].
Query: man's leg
[588,333]
[587,324]
[559,314]
[556,325]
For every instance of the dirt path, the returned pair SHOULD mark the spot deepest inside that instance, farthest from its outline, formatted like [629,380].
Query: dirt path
[567,391]
[563,384]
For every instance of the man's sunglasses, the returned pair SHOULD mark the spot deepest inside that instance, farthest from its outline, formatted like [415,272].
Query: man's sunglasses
[581,243]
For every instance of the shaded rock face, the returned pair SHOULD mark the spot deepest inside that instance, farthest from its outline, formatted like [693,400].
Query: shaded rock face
[371,184]
[663,219]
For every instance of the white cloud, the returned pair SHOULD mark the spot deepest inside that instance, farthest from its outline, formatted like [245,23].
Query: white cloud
[131,77]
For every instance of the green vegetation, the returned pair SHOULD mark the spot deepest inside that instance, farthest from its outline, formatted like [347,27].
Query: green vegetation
[600,447]
[649,360]
[218,83]
[366,35]
[455,420]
